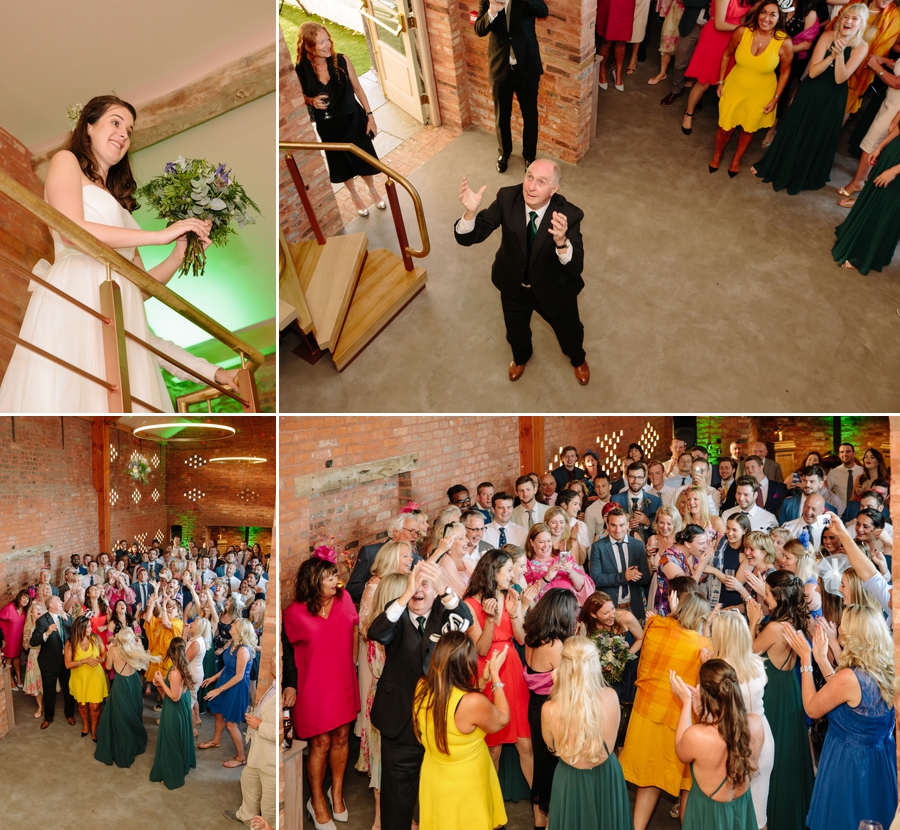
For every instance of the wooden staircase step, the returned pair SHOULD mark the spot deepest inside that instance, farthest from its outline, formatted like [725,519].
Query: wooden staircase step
[333,283]
[384,289]
[290,290]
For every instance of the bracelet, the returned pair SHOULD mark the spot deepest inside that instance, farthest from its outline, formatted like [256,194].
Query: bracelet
[833,673]
[497,685]
[562,247]
[512,617]
[806,668]
[719,83]
[881,73]
[545,579]
[777,96]
[369,112]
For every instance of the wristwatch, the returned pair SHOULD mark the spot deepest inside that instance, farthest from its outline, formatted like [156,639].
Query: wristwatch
[448,592]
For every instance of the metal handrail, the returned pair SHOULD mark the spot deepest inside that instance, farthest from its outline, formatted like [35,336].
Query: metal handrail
[381,167]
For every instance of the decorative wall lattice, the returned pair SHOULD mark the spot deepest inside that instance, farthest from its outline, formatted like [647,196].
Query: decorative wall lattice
[154,460]
[194,494]
[113,496]
[649,440]
[195,461]
[155,495]
[113,453]
[136,496]
[141,539]
[248,495]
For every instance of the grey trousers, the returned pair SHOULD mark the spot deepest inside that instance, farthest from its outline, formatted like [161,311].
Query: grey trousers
[684,50]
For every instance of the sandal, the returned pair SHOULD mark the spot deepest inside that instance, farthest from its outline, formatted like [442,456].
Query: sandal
[208,745]
[842,191]
[235,762]
[847,203]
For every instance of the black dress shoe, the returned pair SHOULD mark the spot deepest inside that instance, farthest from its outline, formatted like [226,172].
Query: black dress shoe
[502,164]
[528,163]
[671,98]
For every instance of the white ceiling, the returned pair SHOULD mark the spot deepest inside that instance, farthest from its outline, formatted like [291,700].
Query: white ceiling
[58,52]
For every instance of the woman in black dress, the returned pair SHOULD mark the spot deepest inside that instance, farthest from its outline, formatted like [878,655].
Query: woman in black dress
[340,109]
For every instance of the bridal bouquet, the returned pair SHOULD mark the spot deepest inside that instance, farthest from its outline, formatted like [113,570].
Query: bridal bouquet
[138,468]
[614,654]
[194,189]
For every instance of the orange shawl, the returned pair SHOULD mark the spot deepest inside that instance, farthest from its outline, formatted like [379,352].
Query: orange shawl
[887,30]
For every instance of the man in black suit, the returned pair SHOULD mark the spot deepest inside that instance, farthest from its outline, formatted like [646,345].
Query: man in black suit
[728,476]
[771,494]
[408,629]
[404,527]
[539,263]
[51,632]
[618,564]
[515,68]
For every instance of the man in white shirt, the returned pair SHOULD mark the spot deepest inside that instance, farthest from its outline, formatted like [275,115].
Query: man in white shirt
[203,571]
[812,521]
[503,531]
[593,516]
[657,483]
[548,489]
[93,576]
[473,522]
[669,465]
[530,511]
[745,494]
[840,480]
[681,474]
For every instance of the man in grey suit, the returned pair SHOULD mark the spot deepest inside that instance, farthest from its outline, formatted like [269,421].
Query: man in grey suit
[618,564]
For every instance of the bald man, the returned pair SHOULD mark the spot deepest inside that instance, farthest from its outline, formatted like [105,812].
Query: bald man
[539,263]
[811,520]
[770,468]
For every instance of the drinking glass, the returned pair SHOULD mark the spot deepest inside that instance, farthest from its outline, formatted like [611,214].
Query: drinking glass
[865,824]
[327,100]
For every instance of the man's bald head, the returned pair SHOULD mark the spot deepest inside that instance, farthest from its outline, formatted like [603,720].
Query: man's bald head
[813,507]
[542,180]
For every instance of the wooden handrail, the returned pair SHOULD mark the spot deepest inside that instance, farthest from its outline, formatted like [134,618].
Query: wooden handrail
[381,167]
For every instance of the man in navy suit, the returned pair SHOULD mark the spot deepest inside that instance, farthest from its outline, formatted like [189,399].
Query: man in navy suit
[639,505]
[567,471]
[812,479]
[770,493]
[618,564]
[404,527]
[873,499]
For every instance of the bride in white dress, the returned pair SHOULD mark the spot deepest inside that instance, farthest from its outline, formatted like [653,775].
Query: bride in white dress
[91,183]
[731,642]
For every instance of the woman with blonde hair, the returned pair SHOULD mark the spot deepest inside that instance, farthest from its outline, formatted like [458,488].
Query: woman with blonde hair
[452,555]
[579,723]
[757,564]
[561,537]
[696,512]
[798,560]
[549,571]
[33,685]
[666,524]
[731,642]
[857,773]
[197,646]
[231,695]
[121,735]
[450,515]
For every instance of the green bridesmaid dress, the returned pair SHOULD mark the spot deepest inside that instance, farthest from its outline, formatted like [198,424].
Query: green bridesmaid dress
[589,798]
[802,153]
[121,735]
[702,813]
[868,236]
[175,754]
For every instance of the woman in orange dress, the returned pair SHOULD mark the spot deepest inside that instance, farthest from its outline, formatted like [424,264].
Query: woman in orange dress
[882,32]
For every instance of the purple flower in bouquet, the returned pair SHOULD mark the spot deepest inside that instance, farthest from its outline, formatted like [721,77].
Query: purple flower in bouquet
[170,167]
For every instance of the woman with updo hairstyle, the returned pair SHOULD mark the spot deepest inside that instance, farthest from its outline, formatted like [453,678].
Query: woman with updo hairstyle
[572,502]
[459,788]
[579,724]
[722,749]
[549,570]
[547,627]
[690,554]
[321,626]
[798,560]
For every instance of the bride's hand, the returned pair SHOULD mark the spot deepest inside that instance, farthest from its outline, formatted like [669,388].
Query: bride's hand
[201,227]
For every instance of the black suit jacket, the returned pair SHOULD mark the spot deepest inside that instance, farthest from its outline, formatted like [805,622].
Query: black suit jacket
[561,476]
[50,658]
[407,658]
[514,26]
[604,571]
[730,499]
[775,497]
[360,576]
[554,284]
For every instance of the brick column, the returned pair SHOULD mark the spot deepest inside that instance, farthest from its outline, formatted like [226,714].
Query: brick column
[445,26]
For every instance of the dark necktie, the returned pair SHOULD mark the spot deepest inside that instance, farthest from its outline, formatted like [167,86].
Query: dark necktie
[532,228]
[849,487]
[62,630]
[421,622]
[759,498]
[683,480]
[622,561]
[809,531]
[92,580]
[502,536]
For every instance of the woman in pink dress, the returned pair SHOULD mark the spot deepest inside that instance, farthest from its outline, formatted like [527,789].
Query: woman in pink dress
[553,571]
[322,626]
[12,621]
[615,24]
[707,59]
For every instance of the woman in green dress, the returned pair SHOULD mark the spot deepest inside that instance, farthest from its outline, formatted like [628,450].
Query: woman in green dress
[121,735]
[803,149]
[175,754]
[579,723]
[722,748]
[868,236]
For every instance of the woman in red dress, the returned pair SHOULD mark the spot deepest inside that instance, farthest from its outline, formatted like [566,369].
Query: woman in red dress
[615,23]
[322,626]
[12,622]
[498,618]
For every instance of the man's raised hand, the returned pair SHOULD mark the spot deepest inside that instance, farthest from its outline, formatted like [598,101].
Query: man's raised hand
[470,199]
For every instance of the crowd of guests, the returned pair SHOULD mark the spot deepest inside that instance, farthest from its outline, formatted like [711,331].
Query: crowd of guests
[720,633]
[181,624]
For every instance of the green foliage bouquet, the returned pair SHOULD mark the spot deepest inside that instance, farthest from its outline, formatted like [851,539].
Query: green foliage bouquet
[138,468]
[615,654]
[194,189]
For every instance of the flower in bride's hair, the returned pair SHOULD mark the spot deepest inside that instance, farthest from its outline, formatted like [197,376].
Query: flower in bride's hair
[73,113]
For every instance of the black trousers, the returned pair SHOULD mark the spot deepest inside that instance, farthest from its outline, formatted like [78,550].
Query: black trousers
[566,325]
[48,681]
[526,92]
[401,763]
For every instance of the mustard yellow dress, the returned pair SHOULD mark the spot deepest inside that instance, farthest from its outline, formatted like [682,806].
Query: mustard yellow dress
[749,86]
[88,683]
[459,791]
[158,639]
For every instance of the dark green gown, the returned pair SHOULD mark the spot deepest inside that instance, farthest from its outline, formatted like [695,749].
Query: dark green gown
[868,236]
[590,798]
[802,153]
[121,735]
[209,669]
[702,813]
[175,754]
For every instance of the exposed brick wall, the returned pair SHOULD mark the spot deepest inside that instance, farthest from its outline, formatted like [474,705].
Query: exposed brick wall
[817,433]
[138,513]
[294,125]
[445,37]
[23,240]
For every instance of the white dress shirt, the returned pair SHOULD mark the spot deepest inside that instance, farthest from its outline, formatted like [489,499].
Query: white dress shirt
[565,254]
[759,519]
[797,526]
[515,534]
[837,481]
[520,514]
[667,495]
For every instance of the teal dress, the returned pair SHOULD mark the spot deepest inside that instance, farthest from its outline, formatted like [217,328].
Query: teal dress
[589,798]
[121,735]
[702,813]
[869,235]
[802,153]
[175,754]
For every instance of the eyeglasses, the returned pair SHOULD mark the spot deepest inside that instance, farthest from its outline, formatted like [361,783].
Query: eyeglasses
[460,502]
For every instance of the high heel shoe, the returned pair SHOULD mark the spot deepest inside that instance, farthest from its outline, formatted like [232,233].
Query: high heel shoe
[732,173]
[618,86]
[712,169]
[364,211]
[687,130]
[328,825]
[344,816]
[377,201]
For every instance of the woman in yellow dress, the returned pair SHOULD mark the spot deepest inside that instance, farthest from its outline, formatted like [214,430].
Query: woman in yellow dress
[84,655]
[162,625]
[750,93]
[459,788]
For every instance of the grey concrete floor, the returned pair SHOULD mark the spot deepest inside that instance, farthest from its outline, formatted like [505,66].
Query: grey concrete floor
[700,290]
[52,781]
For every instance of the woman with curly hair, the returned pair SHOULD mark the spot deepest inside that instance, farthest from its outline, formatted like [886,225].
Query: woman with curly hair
[722,748]
[175,756]
[857,773]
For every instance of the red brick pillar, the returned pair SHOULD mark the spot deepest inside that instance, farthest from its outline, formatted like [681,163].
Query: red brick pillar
[445,26]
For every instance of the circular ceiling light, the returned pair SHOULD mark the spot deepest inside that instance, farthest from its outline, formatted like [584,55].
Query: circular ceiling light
[183,431]
[238,459]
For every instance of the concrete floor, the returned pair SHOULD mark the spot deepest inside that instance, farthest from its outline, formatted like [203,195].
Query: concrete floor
[52,780]
[698,288]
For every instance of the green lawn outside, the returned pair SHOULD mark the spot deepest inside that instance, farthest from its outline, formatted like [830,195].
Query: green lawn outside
[346,41]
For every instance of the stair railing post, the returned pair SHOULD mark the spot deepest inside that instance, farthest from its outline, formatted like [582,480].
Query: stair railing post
[391,190]
[114,351]
[304,198]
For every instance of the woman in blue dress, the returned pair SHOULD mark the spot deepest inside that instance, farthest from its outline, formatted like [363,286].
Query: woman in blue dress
[857,776]
[231,696]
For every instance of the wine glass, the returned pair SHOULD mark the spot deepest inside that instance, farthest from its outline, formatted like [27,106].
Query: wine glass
[866,824]
[326,99]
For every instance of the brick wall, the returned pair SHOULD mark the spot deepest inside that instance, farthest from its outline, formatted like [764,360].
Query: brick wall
[294,125]
[46,497]
[445,26]
[138,511]
[817,433]
[23,240]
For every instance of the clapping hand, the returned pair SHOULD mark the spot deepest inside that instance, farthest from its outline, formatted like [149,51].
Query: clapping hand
[756,583]
[632,573]
[497,6]
[491,608]
[471,200]
[559,227]
[754,613]
[820,645]
[496,660]
[681,689]
[797,642]
[512,602]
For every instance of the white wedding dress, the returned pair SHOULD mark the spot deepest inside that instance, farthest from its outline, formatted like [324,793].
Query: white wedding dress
[752,692]
[34,384]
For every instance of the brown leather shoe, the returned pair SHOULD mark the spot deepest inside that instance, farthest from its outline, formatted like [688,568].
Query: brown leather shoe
[70,721]
[515,371]
[45,724]
[583,373]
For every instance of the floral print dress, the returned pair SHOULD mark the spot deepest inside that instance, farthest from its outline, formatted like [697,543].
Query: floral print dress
[32,682]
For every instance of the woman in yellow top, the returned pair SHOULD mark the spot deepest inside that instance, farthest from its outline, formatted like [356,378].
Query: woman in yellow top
[459,788]
[162,625]
[648,758]
[750,93]
[84,655]
[882,30]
